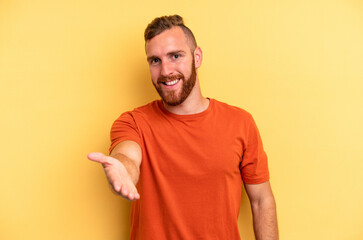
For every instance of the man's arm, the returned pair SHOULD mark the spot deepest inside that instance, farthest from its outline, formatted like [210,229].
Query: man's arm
[263,210]
[122,168]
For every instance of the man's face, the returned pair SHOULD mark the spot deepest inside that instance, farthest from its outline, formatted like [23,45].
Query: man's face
[171,64]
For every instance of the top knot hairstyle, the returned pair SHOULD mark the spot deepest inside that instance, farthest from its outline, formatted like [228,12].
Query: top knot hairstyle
[160,24]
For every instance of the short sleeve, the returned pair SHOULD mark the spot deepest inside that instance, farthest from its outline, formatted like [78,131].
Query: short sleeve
[254,166]
[124,128]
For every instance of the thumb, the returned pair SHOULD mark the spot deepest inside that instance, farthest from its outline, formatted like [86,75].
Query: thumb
[97,157]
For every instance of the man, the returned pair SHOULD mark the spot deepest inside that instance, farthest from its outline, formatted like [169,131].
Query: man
[183,160]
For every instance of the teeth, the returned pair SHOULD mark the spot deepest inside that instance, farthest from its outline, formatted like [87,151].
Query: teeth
[171,82]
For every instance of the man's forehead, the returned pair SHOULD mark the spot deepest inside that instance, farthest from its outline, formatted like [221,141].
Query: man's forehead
[172,39]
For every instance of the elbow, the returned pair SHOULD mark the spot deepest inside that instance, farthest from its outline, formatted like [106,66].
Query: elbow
[263,203]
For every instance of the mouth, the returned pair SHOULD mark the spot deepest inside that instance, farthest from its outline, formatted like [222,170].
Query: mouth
[171,83]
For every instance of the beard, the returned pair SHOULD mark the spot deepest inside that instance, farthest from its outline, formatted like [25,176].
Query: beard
[172,98]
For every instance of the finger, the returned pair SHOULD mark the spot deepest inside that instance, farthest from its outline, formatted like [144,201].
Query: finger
[133,194]
[124,191]
[127,193]
[137,195]
[117,186]
[97,157]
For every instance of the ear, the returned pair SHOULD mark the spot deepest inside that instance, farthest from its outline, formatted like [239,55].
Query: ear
[198,57]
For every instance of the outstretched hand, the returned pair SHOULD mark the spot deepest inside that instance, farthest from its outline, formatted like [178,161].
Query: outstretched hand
[117,175]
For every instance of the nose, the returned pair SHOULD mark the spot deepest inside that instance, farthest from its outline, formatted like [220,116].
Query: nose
[166,69]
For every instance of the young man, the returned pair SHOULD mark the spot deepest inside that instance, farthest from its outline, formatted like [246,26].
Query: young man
[183,160]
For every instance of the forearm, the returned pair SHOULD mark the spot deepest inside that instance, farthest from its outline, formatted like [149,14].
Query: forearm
[265,219]
[131,167]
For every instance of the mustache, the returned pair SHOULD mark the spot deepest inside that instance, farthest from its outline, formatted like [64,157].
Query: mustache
[162,79]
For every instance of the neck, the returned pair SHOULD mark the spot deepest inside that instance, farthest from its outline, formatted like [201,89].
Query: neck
[194,103]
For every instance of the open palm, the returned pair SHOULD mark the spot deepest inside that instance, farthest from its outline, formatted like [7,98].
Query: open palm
[117,175]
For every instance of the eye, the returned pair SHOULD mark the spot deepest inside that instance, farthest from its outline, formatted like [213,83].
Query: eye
[155,60]
[175,56]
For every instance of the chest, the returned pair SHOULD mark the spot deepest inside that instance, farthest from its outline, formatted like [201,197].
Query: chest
[182,149]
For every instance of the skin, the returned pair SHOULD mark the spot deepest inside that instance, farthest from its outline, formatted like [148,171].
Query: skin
[122,168]
[263,210]
[171,54]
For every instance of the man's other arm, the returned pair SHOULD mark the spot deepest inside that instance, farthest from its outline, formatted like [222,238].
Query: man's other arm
[263,210]
[122,168]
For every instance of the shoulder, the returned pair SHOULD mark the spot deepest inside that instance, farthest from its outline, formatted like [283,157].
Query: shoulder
[149,109]
[230,110]
[129,125]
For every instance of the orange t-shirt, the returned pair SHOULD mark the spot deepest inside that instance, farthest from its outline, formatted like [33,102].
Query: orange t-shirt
[192,170]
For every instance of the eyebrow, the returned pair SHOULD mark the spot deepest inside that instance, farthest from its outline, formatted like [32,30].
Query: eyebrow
[176,52]
[151,57]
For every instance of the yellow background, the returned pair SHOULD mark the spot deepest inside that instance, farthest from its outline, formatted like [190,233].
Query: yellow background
[68,69]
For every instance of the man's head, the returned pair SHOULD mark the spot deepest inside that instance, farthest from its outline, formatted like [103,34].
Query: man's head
[173,57]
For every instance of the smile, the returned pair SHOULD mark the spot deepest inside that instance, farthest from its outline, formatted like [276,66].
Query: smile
[171,83]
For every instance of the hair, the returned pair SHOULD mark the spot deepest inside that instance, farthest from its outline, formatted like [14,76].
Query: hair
[160,24]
